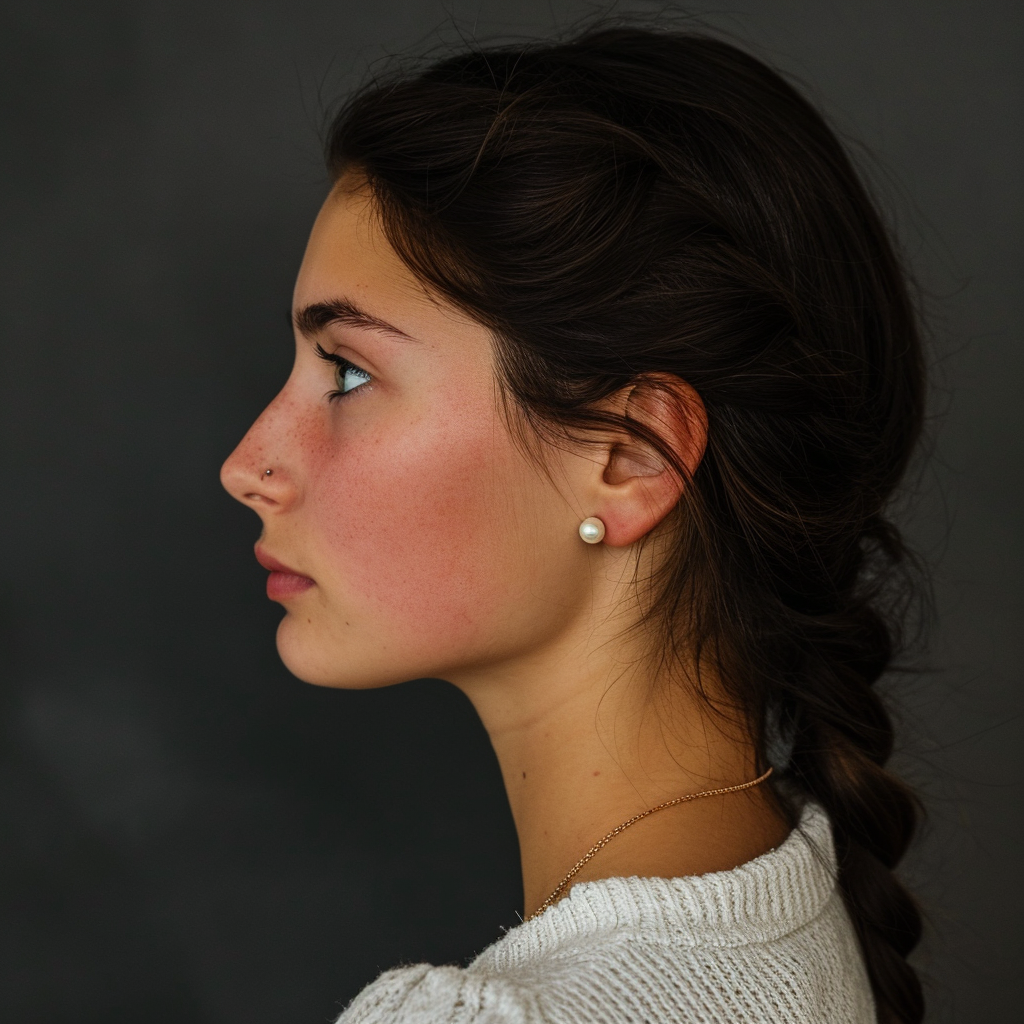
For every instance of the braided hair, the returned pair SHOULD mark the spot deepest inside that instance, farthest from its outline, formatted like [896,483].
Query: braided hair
[629,204]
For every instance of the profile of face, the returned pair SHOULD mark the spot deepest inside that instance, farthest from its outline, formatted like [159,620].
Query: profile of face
[411,535]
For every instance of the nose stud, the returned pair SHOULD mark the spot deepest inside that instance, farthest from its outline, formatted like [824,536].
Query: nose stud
[592,530]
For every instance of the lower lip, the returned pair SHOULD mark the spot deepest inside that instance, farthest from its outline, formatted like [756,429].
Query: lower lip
[283,585]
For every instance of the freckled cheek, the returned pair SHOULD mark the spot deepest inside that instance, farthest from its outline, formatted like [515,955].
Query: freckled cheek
[411,528]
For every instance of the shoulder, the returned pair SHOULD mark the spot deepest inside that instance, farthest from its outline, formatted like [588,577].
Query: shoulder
[808,976]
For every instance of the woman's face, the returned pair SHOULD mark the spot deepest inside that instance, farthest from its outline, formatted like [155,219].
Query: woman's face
[418,540]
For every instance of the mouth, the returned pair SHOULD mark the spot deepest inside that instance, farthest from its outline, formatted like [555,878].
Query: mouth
[283,582]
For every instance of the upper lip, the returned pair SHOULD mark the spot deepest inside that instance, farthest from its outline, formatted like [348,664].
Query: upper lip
[269,562]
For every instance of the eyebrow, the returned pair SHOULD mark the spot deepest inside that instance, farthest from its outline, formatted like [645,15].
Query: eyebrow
[312,319]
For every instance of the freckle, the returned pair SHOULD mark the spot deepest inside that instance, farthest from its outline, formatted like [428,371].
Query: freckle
[597,773]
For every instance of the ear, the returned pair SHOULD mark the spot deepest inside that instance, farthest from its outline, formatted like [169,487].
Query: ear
[632,487]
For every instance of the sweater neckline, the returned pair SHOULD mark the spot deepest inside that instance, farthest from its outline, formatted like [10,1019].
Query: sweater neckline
[762,900]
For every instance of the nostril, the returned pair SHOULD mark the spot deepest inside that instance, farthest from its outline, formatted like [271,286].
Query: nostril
[257,498]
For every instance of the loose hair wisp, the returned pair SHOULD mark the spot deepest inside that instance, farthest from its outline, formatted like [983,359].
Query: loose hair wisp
[633,204]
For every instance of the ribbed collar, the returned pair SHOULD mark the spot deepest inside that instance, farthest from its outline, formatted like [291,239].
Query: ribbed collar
[762,900]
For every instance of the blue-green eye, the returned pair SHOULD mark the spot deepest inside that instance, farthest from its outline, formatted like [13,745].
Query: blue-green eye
[347,375]
[350,377]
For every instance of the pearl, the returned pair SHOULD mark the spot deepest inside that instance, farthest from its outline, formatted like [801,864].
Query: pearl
[592,530]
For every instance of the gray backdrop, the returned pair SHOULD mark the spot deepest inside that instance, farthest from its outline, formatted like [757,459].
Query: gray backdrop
[190,835]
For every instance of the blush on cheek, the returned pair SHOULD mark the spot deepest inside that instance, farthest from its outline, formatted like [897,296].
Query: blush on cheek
[411,528]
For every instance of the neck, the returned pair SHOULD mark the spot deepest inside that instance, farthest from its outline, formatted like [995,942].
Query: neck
[583,746]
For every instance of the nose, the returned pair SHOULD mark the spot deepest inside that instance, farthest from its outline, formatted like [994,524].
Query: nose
[257,473]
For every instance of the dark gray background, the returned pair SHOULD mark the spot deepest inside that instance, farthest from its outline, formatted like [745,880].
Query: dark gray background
[190,835]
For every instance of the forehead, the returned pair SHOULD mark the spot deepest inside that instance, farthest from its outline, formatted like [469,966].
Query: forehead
[348,257]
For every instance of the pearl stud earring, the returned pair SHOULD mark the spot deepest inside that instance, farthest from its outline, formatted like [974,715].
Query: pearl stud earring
[592,530]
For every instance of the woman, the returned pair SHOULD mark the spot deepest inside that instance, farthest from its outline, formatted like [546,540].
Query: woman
[605,375]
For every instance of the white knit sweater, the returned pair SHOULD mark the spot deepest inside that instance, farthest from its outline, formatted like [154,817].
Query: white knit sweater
[769,941]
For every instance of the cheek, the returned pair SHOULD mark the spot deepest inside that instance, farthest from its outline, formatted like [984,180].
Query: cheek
[415,529]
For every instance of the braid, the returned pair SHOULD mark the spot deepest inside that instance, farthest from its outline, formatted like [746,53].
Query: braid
[842,740]
[809,646]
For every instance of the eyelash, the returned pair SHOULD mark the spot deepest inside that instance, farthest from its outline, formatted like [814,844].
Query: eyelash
[335,360]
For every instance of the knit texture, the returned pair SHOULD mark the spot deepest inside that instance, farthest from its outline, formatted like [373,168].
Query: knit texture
[769,942]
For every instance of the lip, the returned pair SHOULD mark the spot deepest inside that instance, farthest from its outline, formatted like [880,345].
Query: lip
[283,582]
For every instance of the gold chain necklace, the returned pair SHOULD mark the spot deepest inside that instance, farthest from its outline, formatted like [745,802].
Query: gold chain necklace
[601,843]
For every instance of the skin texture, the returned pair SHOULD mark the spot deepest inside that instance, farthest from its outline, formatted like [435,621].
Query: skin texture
[438,547]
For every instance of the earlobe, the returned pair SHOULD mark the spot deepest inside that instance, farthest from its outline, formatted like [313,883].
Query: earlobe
[639,485]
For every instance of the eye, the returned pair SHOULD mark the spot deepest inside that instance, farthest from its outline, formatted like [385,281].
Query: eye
[347,375]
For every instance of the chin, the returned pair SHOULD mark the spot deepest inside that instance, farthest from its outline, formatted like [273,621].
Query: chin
[313,661]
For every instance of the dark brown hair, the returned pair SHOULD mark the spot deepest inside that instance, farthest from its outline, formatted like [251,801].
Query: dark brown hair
[631,204]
